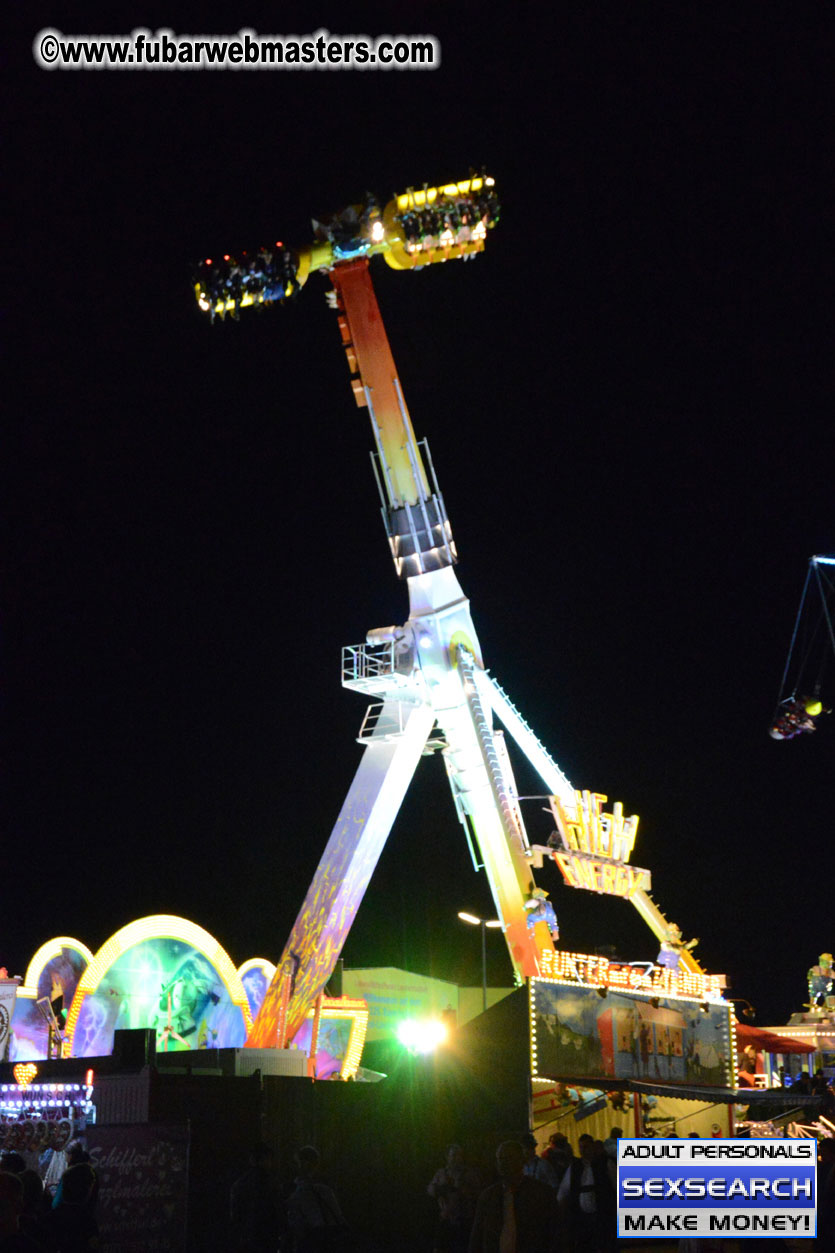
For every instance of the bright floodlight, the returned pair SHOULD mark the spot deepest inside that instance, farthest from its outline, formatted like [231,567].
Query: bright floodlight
[421,1036]
[470,918]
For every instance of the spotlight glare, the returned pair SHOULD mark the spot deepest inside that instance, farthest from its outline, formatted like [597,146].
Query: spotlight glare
[421,1036]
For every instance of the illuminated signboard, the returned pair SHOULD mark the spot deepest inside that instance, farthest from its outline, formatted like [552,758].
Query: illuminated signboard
[598,972]
[596,847]
[37,1116]
[577,1034]
[611,879]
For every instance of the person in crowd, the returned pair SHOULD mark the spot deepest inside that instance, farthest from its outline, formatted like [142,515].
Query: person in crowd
[610,1144]
[455,1188]
[313,1212]
[253,1213]
[558,1154]
[77,1153]
[587,1199]
[12,1239]
[749,1062]
[33,1220]
[538,1167]
[518,1214]
[70,1223]
[12,1162]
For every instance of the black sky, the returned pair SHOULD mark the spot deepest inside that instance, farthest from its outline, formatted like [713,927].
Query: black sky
[628,400]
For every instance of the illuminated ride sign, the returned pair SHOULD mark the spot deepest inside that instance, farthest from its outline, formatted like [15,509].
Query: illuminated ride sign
[598,972]
[596,847]
[37,1116]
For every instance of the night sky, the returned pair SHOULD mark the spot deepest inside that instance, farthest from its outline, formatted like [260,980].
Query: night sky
[628,400]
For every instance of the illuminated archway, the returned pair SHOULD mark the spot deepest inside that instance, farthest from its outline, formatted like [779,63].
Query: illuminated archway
[165,973]
[55,970]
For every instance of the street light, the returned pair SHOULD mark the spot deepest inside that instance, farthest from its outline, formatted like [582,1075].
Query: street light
[484,923]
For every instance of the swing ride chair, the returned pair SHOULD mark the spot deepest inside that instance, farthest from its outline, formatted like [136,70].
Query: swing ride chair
[810,656]
[429,688]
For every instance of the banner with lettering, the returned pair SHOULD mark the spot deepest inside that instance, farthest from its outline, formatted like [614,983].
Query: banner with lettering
[143,1187]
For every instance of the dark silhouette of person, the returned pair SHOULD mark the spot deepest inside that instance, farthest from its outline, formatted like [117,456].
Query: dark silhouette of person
[455,1188]
[313,1211]
[253,1214]
[12,1238]
[518,1214]
[71,1225]
[588,1199]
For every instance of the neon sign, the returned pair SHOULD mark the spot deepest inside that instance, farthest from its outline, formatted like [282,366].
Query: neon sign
[591,831]
[612,879]
[596,846]
[599,972]
[36,1116]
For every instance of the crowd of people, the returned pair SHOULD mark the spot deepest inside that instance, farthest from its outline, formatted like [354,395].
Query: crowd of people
[545,1202]
[39,1218]
[556,1201]
[310,1219]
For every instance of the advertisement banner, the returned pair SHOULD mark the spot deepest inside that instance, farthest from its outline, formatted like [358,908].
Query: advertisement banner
[716,1189]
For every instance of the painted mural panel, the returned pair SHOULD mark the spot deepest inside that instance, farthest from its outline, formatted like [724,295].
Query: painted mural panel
[332,1044]
[56,981]
[165,984]
[256,975]
[579,1034]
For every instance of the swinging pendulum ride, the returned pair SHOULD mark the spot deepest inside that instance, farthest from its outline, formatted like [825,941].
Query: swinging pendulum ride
[426,678]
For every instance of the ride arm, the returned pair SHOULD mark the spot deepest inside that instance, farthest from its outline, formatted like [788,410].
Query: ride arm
[414,514]
[343,874]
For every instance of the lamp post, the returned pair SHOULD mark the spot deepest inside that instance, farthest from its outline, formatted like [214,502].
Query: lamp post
[484,923]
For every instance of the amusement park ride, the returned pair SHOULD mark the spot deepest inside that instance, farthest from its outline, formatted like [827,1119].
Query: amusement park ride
[426,678]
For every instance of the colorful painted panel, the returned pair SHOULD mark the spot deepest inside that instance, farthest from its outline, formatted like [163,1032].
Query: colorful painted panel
[576,1033]
[54,973]
[343,1023]
[163,983]
[256,976]
[334,1037]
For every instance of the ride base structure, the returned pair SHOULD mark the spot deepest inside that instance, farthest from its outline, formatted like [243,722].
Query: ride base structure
[426,680]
